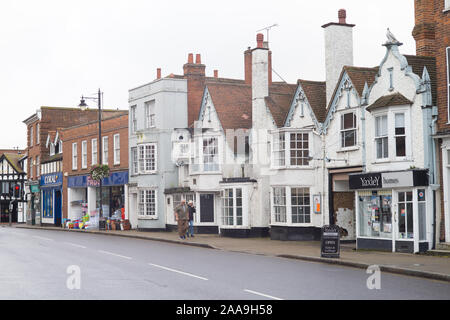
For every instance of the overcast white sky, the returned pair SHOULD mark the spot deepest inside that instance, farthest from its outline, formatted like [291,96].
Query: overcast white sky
[53,51]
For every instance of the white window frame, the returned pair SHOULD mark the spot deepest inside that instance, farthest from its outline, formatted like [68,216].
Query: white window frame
[38,134]
[74,156]
[133,119]
[278,217]
[31,136]
[134,161]
[447,50]
[384,137]
[446,5]
[116,140]
[148,158]
[145,206]
[288,206]
[233,208]
[38,167]
[149,109]
[343,131]
[105,149]
[94,151]
[278,153]
[84,154]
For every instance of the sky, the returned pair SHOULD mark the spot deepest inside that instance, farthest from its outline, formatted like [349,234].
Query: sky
[54,51]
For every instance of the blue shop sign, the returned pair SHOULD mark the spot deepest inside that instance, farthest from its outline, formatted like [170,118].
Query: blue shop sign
[51,179]
[114,179]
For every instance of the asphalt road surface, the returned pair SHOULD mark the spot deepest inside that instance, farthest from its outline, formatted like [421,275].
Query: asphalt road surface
[40,264]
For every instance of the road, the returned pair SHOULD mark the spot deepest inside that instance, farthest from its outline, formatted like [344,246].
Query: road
[34,265]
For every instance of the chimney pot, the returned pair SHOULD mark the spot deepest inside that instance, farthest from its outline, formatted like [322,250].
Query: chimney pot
[158,73]
[198,59]
[216,73]
[342,15]
[259,40]
[190,58]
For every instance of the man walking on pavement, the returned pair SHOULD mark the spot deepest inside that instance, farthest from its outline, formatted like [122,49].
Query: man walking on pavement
[191,209]
[182,216]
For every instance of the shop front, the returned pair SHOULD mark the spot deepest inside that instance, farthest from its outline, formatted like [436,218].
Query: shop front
[84,196]
[33,196]
[51,195]
[393,210]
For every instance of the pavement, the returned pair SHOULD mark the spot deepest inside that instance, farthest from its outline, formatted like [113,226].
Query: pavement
[417,265]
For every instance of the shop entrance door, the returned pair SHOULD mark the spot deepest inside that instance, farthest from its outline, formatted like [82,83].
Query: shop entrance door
[58,208]
[206,207]
[405,224]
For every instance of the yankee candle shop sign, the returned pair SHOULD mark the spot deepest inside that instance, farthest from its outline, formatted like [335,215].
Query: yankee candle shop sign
[378,180]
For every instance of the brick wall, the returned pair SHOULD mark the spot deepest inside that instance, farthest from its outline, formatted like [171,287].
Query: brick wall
[78,134]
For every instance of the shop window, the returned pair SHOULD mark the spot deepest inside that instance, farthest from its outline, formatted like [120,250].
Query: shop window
[279,204]
[405,215]
[375,218]
[381,137]
[400,138]
[300,205]
[348,130]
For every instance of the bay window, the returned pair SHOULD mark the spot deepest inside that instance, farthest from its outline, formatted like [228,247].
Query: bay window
[279,204]
[279,152]
[210,154]
[348,130]
[232,207]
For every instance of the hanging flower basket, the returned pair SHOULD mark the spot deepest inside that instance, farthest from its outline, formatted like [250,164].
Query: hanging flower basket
[99,172]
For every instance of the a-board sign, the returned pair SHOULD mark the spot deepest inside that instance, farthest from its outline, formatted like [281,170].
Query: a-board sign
[330,242]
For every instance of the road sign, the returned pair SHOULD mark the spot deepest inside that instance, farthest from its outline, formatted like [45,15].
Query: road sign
[330,244]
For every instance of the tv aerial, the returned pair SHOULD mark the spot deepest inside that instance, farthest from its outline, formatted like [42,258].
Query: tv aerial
[268,29]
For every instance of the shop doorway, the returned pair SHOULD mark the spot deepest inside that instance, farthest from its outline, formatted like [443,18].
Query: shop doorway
[4,212]
[58,208]
[206,207]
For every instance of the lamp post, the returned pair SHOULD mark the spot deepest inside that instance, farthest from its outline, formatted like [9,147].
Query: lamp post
[83,106]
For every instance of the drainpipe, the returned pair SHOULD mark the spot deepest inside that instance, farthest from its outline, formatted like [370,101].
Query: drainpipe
[434,166]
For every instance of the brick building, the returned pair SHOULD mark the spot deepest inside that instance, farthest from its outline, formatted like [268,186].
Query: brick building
[81,194]
[43,121]
[432,35]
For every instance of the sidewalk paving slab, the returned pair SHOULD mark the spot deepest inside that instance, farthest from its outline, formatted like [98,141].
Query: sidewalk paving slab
[419,265]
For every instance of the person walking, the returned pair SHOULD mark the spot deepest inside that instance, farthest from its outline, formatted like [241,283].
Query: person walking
[191,209]
[182,216]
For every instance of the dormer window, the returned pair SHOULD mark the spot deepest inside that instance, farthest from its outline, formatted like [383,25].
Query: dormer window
[52,149]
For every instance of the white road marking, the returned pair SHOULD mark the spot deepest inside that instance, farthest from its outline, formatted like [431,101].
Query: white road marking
[177,271]
[75,245]
[114,254]
[262,294]
[42,238]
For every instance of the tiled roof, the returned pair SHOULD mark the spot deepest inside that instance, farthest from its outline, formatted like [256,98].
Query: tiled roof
[279,101]
[233,104]
[395,99]
[315,92]
[417,64]
[13,159]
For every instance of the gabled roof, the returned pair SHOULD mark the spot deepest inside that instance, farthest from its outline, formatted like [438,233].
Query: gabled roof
[315,92]
[418,63]
[233,104]
[279,101]
[13,159]
[395,99]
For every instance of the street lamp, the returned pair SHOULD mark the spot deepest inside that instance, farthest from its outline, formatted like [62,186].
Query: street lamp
[83,107]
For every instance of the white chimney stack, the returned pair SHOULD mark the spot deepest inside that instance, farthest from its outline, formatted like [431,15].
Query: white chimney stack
[338,50]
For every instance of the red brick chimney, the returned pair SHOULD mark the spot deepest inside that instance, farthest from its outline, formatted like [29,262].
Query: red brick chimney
[216,73]
[191,68]
[158,73]
[195,75]
[198,59]
[260,44]
[342,15]
[424,29]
